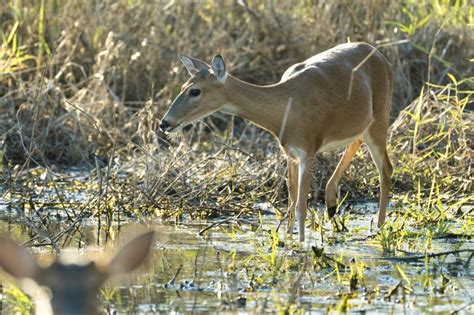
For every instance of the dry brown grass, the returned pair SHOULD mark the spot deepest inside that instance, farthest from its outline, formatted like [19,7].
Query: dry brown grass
[96,79]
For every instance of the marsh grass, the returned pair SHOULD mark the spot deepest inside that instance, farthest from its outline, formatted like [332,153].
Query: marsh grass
[18,302]
[82,87]
[85,85]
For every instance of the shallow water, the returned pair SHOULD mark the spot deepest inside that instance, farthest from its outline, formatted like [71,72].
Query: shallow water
[206,283]
[229,268]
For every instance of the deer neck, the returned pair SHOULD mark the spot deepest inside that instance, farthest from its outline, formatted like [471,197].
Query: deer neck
[263,105]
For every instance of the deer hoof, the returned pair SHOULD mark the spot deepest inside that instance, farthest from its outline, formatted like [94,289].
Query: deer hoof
[332,211]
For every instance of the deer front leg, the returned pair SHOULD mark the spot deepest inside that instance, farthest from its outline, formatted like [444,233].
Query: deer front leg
[304,181]
[292,183]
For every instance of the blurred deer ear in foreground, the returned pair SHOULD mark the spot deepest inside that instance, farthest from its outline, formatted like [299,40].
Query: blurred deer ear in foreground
[73,287]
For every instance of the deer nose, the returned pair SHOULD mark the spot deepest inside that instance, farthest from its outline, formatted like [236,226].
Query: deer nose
[164,125]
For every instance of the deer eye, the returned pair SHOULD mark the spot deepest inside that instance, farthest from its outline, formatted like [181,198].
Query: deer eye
[195,92]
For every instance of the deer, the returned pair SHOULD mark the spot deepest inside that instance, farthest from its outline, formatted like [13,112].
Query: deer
[340,97]
[72,288]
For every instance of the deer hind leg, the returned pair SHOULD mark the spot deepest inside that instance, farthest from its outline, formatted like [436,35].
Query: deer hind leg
[377,142]
[292,183]
[331,186]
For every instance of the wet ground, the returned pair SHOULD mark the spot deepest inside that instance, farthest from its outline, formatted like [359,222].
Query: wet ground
[236,267]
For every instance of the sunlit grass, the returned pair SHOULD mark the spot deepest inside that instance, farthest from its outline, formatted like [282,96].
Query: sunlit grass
[17,301]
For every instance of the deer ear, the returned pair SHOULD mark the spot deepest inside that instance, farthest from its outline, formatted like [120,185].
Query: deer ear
[218,67]
[193,65]
[16,260]
[131,255]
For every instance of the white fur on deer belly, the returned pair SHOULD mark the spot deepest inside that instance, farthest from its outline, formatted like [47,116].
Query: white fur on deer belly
[333,145]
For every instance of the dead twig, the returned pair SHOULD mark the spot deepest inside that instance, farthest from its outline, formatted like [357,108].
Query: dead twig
[422,257]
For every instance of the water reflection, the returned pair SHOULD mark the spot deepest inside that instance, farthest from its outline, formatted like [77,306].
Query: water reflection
[220,271]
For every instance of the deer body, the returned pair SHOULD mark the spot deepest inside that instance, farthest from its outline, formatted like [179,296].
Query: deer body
[324,103]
